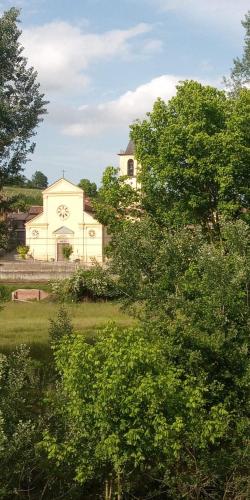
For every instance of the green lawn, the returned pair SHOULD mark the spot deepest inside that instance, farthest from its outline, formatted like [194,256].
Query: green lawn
[28,323]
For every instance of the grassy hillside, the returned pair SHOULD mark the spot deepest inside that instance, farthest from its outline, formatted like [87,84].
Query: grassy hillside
[30,196]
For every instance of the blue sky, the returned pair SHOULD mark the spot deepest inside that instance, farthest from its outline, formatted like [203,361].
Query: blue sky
[102,63]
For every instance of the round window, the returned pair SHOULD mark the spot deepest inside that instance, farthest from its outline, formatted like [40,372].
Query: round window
[91,233]
[63,212]
[35,233]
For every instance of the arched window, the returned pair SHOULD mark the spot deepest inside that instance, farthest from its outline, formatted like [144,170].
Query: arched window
[130,169]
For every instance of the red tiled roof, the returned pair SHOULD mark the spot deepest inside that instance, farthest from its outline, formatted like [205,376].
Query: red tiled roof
[87,204]
[35,210]
[26,216]
[17,216]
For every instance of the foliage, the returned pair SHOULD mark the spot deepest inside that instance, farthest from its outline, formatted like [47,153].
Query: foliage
[17,180]
[194,292]
[93,283]
[4,294]
[127,414]
[194,151]
[21,198]
[38,180]
[67,251]
[116,199]
[89,188]
[60,327]
[22,250]
[240,73]
[7,237]
[18,424]
[22,105]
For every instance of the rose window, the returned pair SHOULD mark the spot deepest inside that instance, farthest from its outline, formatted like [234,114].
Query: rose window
[63,212]
[91,233]
[35,233]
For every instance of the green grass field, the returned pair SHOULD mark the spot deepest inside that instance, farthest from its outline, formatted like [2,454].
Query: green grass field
[29,322]
[34,196]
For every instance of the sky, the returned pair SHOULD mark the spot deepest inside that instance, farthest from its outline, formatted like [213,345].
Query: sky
[103,63]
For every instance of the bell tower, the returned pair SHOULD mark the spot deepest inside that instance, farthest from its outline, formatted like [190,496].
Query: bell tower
[128,164]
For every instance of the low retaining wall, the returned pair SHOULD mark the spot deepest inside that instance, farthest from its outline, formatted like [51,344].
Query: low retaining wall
[30,271]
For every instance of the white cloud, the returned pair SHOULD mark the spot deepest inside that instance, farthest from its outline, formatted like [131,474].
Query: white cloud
[92,120]
[89,120]
[61,52]
[223,12]
[152,46]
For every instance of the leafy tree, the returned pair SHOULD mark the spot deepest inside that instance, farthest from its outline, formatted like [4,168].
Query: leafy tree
[135,416]
[17,180]
[240,73]
[116,199]
[38,180]
[22,105]
[19,430]
[196,294]
[89,188]
[194,151]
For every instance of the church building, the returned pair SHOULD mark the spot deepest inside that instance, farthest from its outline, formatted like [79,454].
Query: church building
[67,218]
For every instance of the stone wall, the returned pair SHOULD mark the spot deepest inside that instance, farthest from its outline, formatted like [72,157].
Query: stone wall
[30,271]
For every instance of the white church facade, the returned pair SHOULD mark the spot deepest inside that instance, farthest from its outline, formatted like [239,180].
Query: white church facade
[67,218]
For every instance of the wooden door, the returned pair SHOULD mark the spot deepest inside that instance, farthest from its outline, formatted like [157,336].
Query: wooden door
[60,251]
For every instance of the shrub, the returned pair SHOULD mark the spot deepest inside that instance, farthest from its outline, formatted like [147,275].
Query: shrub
[95,283]
[22,250]
[5,294]
[129,417]
[67,251]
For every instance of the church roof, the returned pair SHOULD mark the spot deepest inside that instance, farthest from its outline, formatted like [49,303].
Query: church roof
[65,186]
[130,149]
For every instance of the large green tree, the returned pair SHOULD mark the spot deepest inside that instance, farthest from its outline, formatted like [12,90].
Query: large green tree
[194,153]
[22,104]
[162,409]
[89,188]
[116,200]
[38,180]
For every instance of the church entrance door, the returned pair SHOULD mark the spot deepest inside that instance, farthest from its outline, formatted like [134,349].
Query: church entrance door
[60,247]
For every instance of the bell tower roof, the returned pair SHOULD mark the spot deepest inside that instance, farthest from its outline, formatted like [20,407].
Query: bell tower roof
[130,150]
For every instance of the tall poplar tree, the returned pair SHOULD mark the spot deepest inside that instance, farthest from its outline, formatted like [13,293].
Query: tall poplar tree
[22,104]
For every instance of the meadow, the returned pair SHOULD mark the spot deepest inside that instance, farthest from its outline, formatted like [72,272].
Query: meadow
[28,323]
[31,195]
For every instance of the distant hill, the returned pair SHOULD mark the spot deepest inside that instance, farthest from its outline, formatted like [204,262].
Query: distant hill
[29,196]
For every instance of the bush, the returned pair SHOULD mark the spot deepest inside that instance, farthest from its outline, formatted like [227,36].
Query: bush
[5,293]
[130,418]
[22,250]
[95,283]
[67,251]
